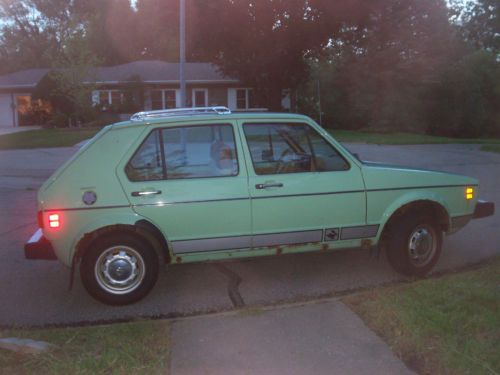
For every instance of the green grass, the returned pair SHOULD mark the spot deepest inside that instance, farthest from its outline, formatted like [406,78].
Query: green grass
[404,138]
[125,348]
[70,137]
[45,138]
[446,325]
[491,148]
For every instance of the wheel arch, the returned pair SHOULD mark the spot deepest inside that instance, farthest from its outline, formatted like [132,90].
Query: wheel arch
[142,228]
[434,207]
[129,223]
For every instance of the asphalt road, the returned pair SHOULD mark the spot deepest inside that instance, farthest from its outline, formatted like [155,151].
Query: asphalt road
[36,292]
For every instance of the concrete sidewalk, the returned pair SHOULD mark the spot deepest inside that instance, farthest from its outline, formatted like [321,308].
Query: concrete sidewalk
[324,337]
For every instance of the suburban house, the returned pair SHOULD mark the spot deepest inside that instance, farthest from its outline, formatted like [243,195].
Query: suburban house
[206,86]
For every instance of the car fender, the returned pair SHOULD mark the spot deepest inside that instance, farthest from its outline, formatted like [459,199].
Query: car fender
[408,198]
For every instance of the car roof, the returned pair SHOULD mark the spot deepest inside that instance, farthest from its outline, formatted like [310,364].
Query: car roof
[175,120]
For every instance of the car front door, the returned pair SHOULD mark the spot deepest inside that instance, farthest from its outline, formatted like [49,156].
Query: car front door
[188,181]
[302,189]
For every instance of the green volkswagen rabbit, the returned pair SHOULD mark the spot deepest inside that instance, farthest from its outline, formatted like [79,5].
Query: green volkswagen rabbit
[204,184]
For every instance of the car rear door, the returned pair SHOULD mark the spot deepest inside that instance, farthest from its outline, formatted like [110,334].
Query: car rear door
[188,181]
[302,189]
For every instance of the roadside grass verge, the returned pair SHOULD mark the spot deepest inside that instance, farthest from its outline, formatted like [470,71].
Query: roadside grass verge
[123,348]
[69,137]
[45,138]
[403,138]
[491,148]
[446,325]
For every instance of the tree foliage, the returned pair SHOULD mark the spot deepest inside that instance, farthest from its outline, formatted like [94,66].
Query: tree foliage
[421,65]
[464,103]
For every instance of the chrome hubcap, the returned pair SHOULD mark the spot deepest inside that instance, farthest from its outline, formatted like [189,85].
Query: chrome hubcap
[119,269]
[422,245]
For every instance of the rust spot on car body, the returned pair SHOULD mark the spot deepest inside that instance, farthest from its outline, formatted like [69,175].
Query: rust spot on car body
[178,259]
[324,247]
[366,244]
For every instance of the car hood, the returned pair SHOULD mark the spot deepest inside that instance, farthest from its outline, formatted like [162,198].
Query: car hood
[384,176]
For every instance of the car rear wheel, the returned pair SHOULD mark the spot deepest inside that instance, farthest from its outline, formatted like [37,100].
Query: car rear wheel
[414,244]
[119,269]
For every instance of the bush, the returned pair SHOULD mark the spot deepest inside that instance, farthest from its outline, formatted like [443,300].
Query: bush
[465,101]
[102,120]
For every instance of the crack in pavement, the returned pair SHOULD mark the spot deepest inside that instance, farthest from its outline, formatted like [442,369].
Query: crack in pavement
[232,286]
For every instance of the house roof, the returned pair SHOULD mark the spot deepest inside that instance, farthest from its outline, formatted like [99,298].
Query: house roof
[150,71]
[23,79]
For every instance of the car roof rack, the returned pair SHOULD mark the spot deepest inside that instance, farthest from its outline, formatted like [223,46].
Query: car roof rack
[164,113]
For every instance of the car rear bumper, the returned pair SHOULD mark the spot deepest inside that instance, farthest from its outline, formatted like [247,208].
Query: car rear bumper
[38,247]
[483,209]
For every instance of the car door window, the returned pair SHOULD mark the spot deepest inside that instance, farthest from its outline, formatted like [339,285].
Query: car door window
[290,148]
[185,152]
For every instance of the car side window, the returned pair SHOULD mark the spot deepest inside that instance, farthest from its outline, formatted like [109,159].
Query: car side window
[147,164]
[185,152]
[290,148]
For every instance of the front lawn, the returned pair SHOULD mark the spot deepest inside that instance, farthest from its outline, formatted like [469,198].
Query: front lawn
[491,148]
[404,138]
[446,325]
[46,138]
[125,348]
[69,137]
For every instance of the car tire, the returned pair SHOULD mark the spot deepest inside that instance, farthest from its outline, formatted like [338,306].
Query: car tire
[119,269]
[414,243]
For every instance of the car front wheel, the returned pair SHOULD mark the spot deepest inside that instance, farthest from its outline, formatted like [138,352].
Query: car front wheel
[414,244]
[119,269]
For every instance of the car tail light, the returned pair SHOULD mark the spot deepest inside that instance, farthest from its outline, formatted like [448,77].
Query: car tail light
[469,193]
[54,221]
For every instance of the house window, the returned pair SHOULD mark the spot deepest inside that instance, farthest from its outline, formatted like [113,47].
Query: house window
[170,101]
[244,98]
[199,97]
[163,99]
[103,97]
[116,97]
[156,99]
[109,97]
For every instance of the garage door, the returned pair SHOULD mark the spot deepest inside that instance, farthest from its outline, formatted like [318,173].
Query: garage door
[6,118]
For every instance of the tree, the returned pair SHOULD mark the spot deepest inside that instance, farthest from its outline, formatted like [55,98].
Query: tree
[158,29]
[262,43]
[479,22]
[24,42]
[464,103]
[112,31]
[376,65]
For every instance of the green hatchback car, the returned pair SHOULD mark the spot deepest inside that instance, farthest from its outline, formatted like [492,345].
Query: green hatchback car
[203,184]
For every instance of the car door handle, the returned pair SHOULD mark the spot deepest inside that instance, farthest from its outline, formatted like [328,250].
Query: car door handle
[268,185]
[145,193]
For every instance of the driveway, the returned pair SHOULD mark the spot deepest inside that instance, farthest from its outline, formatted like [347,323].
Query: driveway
[36,292]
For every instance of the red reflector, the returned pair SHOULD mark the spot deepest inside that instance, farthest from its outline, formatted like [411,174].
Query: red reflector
[40,219]
[54,221]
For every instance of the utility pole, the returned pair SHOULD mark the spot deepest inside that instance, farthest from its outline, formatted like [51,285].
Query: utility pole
[182,51]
